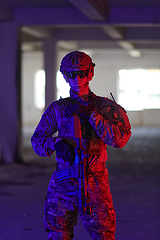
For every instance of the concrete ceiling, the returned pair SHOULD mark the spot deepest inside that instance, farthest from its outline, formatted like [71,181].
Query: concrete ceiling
[121,25]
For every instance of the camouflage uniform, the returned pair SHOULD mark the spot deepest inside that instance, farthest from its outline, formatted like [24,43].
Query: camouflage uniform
[108,124]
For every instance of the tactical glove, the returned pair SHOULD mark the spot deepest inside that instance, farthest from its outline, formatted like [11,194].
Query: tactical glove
[65,151]
[80,109]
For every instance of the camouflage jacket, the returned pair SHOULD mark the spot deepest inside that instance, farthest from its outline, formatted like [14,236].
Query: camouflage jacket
[108,124]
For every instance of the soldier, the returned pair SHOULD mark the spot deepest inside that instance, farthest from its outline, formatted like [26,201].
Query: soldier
[103,122]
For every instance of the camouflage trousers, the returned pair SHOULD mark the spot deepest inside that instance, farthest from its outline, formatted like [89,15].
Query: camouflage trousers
[61,211]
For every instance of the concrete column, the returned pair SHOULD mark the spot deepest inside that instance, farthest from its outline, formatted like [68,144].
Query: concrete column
[50,66]
[9,122]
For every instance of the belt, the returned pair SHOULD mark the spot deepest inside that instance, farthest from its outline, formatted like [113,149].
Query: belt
[64,172]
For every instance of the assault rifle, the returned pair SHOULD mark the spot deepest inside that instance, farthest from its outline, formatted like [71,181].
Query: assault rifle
[78,170]
[80,167]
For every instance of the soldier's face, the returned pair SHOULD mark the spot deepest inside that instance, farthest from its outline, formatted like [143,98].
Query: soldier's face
[78,80]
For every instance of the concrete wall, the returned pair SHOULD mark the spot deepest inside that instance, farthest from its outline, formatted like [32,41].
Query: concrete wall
[105,81]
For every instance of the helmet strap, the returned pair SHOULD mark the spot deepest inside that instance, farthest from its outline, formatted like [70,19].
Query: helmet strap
[90,74]
[65,77]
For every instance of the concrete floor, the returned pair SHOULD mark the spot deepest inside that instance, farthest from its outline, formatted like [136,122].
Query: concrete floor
[134,174]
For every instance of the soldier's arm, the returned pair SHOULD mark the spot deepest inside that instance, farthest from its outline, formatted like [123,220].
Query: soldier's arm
[43,142]
[111,124]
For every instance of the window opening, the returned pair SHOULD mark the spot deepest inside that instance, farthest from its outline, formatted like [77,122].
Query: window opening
[39,89]
[62,86]
[139,89]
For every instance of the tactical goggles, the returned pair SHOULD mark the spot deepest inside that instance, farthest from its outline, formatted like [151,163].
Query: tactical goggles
[73,74]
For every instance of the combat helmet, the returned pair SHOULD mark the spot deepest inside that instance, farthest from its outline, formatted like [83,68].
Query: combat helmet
[76,61]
